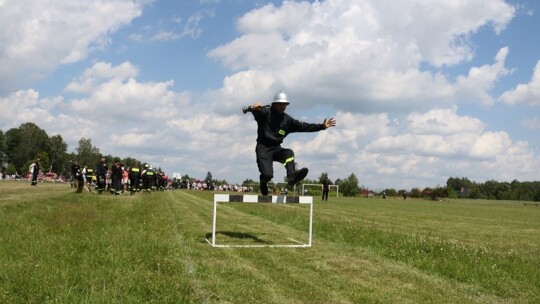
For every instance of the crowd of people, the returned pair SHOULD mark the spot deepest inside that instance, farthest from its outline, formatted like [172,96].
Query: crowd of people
[118,178]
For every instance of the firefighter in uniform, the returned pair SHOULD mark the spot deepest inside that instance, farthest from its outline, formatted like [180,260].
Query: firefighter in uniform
[34,171]
[77,177]
[134,178]
[74,170]
[149,178]
[89,176]
[101,173]
[273,125]
[116,176]
[80,179]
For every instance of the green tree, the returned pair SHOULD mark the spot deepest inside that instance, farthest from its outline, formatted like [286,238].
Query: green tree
[10,170]
[451,192]
[129,162]
[88,154]
[323,177]
[44,161]
[462,186]
[249,181]
[208,177]
[2,148]
[390,192]
[58,154]
[415,193]
[24,143]
[349,186]
[439,192]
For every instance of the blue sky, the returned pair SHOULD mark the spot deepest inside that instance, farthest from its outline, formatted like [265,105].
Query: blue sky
[421,91]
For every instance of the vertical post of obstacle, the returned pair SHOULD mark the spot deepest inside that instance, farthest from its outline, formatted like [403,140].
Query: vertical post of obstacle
[310,223]
[214,223]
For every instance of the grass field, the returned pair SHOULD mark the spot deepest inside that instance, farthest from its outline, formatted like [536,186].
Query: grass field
[57,246]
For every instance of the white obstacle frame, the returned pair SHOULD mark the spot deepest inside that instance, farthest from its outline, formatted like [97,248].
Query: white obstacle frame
[229,198]
[330,186]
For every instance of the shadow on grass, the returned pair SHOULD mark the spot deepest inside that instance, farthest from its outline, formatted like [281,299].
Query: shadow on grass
[239,235]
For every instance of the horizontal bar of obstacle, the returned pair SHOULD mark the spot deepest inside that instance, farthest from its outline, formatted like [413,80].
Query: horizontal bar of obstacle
[247,198]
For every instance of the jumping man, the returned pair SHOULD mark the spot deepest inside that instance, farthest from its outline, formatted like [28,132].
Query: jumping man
[273,125]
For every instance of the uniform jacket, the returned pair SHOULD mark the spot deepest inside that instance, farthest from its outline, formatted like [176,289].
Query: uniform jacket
[134,172]
[102,169]
[273,127]
[117,172]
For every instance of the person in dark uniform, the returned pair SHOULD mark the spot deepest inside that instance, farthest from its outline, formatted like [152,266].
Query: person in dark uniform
[101,173]
[34,170]
[325,189]
[74,170]
[116,176]
[273,125]
[134,177]
[149,178]
[89,172]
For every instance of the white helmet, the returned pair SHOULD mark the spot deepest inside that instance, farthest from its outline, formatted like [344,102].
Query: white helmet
[281,98]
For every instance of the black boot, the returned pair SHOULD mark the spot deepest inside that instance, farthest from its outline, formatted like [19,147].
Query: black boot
[291,168]
[264,188]
[294,176]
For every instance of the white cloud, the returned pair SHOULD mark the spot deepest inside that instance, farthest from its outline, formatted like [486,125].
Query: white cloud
[454,146]
[528,93]
[532,123]
[476,85]
[117,100]
[171,31]
[443,122]
[101,71]
[367,55]
[37,36]
[118,112]
[166,36]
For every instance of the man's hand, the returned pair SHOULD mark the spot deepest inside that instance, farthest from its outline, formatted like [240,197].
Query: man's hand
[329,123]
[256,106]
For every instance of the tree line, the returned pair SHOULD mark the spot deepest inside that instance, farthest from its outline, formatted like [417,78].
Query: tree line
[19,147]
[462,187]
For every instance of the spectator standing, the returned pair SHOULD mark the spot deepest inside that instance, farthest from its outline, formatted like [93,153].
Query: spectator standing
[34,170]
[325,189]
[101,174]
[125,178]
[89,174]
[116,177]
[74,171]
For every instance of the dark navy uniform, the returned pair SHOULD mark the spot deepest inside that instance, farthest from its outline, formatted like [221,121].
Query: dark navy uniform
[134,177]
[149,179]
[272,128]
[101,173]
